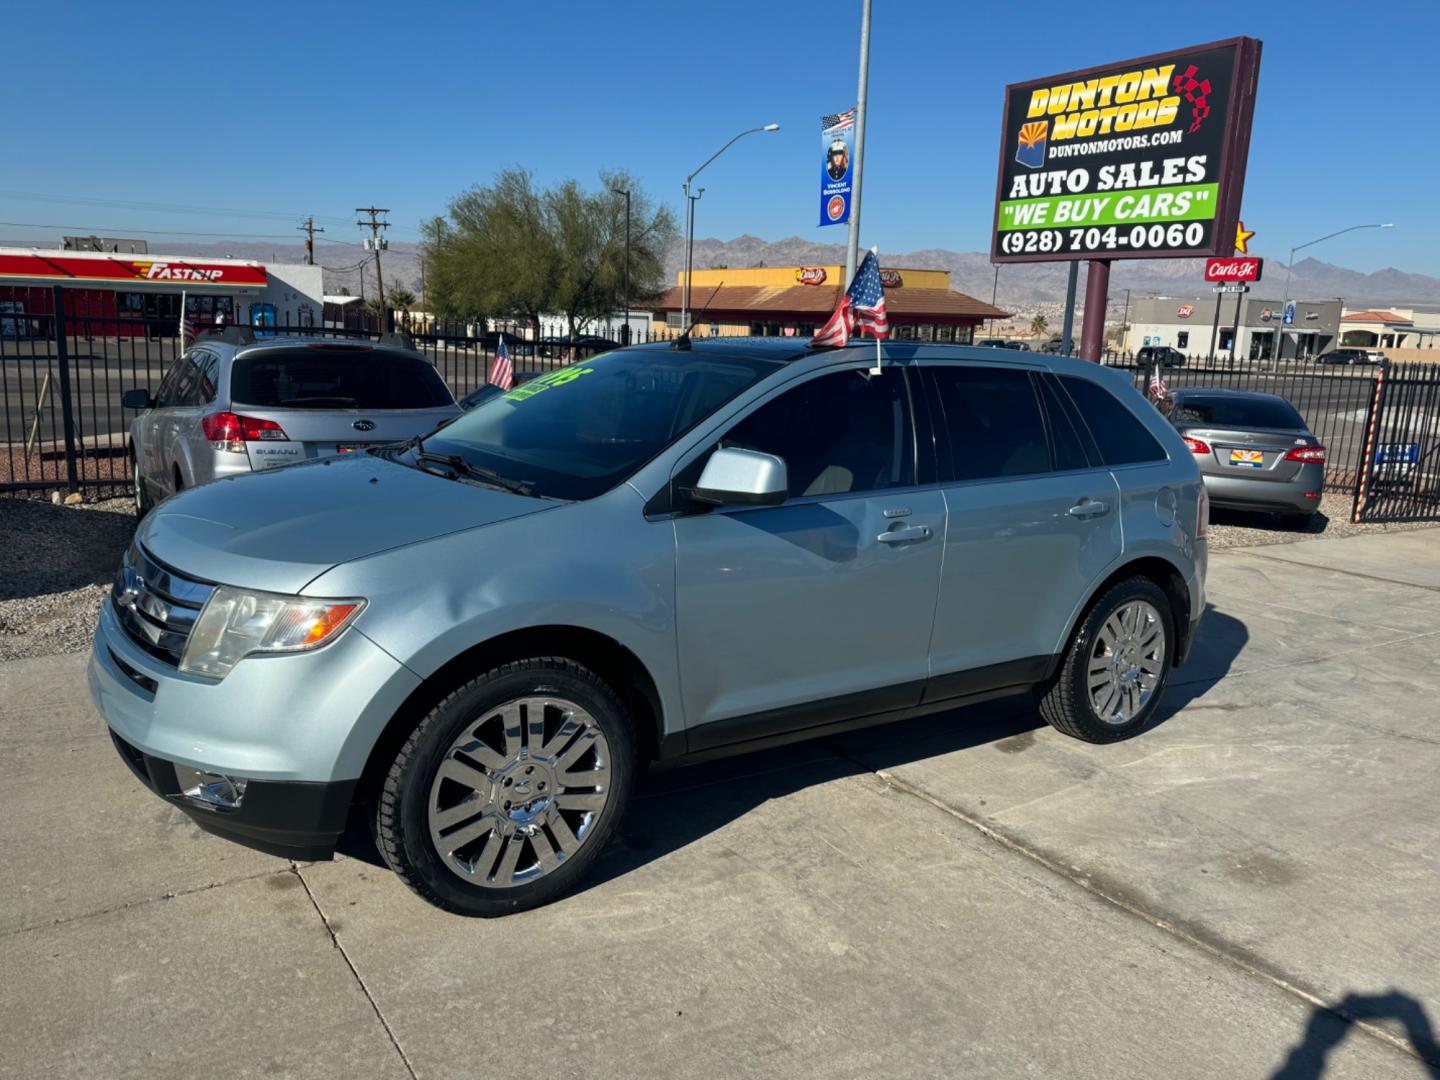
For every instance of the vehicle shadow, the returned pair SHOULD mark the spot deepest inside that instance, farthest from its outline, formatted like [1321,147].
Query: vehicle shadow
[1328,1027]
[46,548]
[1312,525]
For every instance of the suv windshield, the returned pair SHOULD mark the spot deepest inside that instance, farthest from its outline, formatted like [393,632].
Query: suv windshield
[336,377]
[1236,412]
[577,432]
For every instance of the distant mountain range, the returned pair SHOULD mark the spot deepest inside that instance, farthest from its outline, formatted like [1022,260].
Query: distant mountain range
[1022,288]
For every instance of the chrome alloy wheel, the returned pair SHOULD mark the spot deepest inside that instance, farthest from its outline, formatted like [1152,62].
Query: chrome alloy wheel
[519,791]
[1127,662]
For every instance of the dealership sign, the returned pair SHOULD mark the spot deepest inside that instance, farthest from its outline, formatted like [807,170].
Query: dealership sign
[1239,268]
[60,269]
[1136,160]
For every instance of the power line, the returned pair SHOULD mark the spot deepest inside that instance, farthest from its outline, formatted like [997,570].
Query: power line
[376,242]
[173,208]
[122,230]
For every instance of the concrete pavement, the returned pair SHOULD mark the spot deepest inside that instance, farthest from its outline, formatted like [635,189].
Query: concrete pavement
[971,894]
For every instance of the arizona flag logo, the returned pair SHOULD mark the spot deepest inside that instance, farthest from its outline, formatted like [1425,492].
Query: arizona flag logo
[1031,150]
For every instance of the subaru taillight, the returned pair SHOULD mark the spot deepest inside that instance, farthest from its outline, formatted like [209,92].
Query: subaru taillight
[1202,515]
[1307,453]
[230,431]
[1197,446]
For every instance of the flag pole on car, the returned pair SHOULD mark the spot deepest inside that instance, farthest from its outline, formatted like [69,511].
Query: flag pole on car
[861,307]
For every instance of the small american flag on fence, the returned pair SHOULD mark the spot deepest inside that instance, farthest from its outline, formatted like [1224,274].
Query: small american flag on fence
[502,372]
[1158,389]
[861,308]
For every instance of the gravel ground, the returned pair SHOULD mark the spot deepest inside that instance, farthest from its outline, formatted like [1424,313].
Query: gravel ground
[56,562]
[1236,528]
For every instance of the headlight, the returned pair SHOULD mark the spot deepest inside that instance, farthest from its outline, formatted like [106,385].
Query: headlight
[238,622]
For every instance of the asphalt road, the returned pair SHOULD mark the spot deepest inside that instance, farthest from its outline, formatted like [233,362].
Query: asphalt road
[1248,889]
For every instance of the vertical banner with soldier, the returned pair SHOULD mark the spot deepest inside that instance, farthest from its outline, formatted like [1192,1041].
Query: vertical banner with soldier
[837,136]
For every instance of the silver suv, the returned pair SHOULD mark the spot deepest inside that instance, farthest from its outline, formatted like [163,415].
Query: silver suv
[479,638]
[232,404]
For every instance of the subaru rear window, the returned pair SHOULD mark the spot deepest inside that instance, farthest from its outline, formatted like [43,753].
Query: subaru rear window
[1236,412]
[317,378]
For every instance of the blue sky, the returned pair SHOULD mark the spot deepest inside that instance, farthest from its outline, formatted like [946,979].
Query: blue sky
[280,110]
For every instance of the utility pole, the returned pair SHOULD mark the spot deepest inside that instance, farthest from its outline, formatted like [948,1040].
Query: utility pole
[625,330]
[376,243]
[309,228]
[852,247]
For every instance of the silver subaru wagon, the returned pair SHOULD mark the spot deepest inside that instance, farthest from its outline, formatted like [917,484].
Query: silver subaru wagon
[478,638]
[233,403]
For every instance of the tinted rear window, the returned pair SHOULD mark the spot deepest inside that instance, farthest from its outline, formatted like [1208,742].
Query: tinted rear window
[1236,412]
[306,378]
[994,422]
[1122,439]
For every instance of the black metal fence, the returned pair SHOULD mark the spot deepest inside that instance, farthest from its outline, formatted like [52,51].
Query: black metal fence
[1401,477]
[1334,401]
[62,374]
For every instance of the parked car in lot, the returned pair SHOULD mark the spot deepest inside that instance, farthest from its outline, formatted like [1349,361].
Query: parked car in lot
[232,404]
[1164,355]
[1344,356]
[477,639]
[1254,450]
[1002,343]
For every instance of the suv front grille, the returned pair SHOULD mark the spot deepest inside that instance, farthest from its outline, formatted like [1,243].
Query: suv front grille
[156,605]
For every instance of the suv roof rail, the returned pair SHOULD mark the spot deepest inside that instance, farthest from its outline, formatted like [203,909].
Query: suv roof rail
[398,339]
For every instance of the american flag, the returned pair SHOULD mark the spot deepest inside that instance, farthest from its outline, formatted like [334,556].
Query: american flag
[1158,389]
[502,372]
[861,308]
[838,120]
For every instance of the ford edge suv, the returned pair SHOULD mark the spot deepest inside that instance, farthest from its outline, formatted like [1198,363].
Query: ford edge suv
[478,638]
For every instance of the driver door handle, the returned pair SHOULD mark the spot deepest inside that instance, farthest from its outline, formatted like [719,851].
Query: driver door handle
[905,534]
[1088,508]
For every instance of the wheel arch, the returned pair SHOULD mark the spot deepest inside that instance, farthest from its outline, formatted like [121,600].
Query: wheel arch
[1163,573]
[602,654]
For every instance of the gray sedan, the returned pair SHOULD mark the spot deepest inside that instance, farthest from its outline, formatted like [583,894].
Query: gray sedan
[1254,450]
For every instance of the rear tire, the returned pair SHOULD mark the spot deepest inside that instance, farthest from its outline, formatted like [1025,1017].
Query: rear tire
[509,789]
[1114,672]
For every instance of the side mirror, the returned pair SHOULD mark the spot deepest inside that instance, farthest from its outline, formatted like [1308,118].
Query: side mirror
[137,399]
[743,477]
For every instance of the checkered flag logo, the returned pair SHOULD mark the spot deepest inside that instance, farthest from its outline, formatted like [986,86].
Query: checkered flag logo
[1197,93]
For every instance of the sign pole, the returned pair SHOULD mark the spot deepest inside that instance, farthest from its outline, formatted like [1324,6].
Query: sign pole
[1097,295]
[1235,335]
[1068,326]
[852,248]
[1215,327]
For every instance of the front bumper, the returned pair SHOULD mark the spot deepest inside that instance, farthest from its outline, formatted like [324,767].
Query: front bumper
[298,729]
[293,819]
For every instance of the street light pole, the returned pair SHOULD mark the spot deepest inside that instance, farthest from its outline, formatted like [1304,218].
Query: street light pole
[852,247]
[1290,266]
[625,330]
[690,219]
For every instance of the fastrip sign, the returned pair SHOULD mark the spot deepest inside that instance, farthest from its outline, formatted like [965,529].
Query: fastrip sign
[1143,159]
[59,269]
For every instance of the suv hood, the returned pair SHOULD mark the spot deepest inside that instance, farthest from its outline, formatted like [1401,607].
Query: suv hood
[280,529]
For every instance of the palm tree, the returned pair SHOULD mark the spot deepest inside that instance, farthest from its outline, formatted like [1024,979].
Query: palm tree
[1038,325]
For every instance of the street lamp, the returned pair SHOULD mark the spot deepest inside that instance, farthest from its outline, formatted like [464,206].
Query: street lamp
[1290,266]
[690,218]
[625,330]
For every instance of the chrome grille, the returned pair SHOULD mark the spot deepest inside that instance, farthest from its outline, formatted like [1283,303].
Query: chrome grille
[156,605]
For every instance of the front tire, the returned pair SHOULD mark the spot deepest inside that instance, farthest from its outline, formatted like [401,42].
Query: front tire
[1112,676]
[509,789]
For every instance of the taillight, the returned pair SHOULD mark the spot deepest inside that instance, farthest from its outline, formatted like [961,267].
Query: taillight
[1307,453]
[230,431]
[1197,446]
[1202,516]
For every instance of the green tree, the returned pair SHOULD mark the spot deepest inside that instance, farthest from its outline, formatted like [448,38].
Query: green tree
[510,249]
[1038,325]
[400,298]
